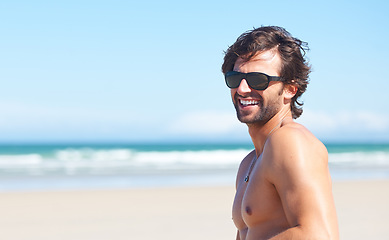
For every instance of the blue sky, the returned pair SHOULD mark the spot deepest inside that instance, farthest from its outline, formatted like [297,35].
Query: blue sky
[150,70]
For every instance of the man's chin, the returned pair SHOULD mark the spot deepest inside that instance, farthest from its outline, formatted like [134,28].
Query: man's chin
[250,119]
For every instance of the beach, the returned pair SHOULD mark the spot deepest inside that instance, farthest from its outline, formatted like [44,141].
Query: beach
[363,209]
[169,213]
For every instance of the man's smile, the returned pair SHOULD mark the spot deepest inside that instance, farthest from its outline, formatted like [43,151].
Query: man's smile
[249,102]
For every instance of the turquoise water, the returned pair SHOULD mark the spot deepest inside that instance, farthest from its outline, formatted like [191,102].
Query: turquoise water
[80,166]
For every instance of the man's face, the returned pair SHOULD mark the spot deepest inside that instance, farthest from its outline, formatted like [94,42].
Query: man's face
[253,106]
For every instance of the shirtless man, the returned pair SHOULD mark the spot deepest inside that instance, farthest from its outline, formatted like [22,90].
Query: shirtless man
[283,187]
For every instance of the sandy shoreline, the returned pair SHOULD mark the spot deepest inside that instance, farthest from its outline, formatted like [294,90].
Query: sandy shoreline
[169,213]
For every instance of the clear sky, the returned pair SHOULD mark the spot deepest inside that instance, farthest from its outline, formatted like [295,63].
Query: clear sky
[150,70]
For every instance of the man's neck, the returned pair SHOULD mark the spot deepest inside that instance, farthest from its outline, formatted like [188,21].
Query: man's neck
[260,132]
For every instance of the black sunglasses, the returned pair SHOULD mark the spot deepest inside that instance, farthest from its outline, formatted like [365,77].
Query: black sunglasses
[256,80]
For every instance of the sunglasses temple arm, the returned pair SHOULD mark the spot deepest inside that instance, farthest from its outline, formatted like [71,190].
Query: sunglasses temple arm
[275,78]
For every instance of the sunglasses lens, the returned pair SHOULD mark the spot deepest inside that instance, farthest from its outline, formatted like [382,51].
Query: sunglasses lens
[257,81]
[233,79]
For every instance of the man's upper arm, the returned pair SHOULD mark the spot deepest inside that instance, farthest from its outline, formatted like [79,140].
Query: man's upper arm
[300,175]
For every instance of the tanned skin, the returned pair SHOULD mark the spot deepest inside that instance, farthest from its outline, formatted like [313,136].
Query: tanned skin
[289,192]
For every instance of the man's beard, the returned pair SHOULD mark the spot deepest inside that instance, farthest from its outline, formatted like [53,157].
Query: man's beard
[262,116]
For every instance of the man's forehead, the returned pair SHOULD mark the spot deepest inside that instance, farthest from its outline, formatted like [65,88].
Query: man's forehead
[265,58]
[268,55]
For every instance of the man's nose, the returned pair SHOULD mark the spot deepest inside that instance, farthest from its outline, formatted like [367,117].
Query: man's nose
[244,86]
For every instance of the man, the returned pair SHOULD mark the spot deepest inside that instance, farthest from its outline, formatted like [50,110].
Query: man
[283,187]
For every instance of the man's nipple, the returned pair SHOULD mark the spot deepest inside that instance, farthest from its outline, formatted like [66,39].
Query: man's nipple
[248,210]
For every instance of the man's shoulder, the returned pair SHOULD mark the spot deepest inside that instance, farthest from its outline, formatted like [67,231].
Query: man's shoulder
[295,140]
[294,150]
[295,135]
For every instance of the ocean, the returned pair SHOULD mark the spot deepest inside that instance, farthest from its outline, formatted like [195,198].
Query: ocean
[107,166]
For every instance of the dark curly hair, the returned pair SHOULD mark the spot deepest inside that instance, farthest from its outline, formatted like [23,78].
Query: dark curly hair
[294,67]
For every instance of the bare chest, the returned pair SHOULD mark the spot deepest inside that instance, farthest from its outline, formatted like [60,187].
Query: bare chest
[256,202]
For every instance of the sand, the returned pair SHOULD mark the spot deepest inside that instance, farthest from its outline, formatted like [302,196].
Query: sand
[169,213]
[363,209]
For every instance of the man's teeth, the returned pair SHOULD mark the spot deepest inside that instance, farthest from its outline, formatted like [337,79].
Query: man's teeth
[248,102]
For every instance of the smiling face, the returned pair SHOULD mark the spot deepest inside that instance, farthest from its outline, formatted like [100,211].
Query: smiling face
[253,106]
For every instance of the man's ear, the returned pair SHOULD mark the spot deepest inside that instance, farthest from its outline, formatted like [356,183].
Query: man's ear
[290,90]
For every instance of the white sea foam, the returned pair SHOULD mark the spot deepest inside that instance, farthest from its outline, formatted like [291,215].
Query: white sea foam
[71,161]
[127,161]
[192,158]
[70,168]
[376,159]
[9,161]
